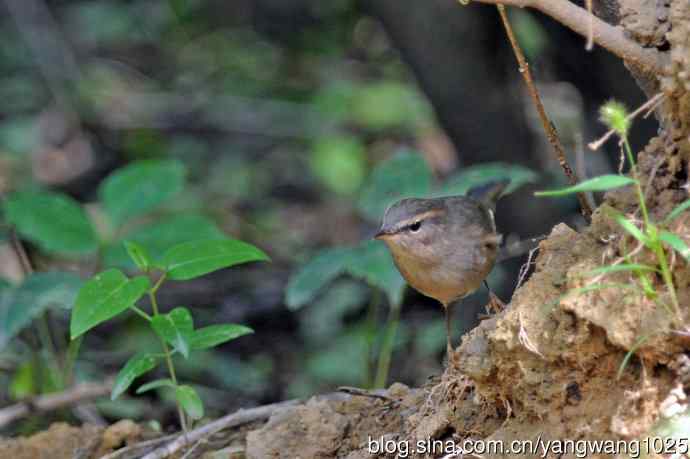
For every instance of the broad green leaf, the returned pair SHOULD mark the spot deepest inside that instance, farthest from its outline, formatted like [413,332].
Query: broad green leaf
[103,297]
[404,175]
[621,267]
[190,401]
[631,228]
[135,367]
[175,327]
[193,259]
[158,383]
[373,262]
[482,174]
[676,243]
[55,222]
[158,237]
[213,335]
[339,162]
[40,291]
[141,187]
[138,255]
[310,278]
[601,183]
[679,209]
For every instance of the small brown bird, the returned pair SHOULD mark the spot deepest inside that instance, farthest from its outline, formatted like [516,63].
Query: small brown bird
[444,247]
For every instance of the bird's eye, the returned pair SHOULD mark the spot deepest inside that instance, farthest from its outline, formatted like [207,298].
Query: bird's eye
[415,226]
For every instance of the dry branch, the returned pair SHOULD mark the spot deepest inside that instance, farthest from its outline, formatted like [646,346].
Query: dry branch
[231,420]
[605,35]
[549,128]
[51,402]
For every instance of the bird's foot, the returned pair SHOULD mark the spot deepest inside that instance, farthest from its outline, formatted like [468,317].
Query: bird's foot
[495,304]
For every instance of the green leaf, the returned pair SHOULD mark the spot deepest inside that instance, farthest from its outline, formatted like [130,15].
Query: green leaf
[601,183]
[103,297]
[55,222]
[39,292]
[158,237]
[213,335]
[193,259]
[135,367]
[621,267]
[310,278]
[138,255]
[373,262]
[190,401]
[141,187]
[482,174]
[404,175]
[675,242]
[631,228]
[680,208]
[158,383]
[176,328]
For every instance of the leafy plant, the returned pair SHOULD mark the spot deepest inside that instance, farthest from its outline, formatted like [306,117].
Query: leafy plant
[122,236]
[111,293]
[405,174]
[649,234]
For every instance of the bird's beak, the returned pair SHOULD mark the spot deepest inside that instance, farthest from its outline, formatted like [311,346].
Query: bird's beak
[381,234]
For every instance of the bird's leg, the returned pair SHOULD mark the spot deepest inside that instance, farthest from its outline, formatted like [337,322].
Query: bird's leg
[449,348]
[495,302]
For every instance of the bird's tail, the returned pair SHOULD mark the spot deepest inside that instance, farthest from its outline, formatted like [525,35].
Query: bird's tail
[490,193]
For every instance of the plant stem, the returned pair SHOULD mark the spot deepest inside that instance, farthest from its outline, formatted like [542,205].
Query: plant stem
[166,351]
[70,359]
[141,313]
[52,360]
[668,277]
[370,335]
[638,185]
[387,346]
[657,246]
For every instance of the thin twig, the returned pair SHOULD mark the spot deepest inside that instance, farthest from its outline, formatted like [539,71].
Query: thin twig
[549,128]
[524,269]
[649,105]
[365,393]
[232,420]
[605,35]
[51,402]
[138,449]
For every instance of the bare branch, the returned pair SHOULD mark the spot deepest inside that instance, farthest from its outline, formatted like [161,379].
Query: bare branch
[605,35]
[51,402]
[549,128]
[231,420]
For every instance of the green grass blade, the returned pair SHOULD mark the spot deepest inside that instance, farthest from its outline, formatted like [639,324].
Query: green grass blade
[619,268]
[631,228]
[682,207]
[601,183]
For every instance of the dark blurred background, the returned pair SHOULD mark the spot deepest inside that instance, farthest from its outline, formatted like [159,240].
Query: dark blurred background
[280,109]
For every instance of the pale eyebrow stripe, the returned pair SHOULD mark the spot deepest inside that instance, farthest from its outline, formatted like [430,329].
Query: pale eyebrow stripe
[422,216]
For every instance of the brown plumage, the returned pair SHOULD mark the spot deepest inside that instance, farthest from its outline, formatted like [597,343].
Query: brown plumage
[444,247]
